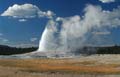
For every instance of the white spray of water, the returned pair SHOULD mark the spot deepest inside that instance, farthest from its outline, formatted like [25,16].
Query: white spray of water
[72,34]
[48,33]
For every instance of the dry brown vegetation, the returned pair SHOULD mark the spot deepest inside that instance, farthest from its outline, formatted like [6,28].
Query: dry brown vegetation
[60,66]
[85,66]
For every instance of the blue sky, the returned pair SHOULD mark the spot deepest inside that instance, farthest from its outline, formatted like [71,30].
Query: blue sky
[27,33]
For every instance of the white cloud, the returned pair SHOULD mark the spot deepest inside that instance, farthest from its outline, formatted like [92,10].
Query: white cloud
[107,1]
[21,11]
[26,11]
[33,39]
[22,20]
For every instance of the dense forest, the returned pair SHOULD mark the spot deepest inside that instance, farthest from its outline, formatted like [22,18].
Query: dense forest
[6,50]
[98,50]
[109,50]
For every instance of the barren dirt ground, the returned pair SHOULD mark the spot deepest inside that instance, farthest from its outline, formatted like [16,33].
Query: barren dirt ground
[89,66]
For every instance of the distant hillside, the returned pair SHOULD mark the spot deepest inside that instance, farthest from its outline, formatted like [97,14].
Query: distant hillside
[7,50]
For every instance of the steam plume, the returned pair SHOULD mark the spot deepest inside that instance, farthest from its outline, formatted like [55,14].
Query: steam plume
[71,33]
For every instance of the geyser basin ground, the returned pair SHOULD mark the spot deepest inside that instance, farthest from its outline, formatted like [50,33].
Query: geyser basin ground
[76,67]
[44,54]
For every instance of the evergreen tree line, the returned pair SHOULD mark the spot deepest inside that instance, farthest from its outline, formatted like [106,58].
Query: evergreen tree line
[98,50]
[109,50]
[6,50]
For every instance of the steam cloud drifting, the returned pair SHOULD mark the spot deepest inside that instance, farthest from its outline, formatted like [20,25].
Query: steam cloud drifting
[71,33]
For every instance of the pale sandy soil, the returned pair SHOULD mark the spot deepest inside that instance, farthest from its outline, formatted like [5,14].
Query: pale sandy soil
[89,66]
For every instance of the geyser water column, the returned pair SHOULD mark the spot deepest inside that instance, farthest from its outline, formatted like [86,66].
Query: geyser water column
[51,40]
[47,42]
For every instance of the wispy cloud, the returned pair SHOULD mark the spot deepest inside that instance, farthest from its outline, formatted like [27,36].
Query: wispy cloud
[33,39]
[101,33]
[1,34]
[25,45]
[22,20]
[107,1]
[4,40]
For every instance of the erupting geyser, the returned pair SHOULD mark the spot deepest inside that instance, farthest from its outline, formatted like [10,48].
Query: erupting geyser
[47,42]
[42,44]
[63,35]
